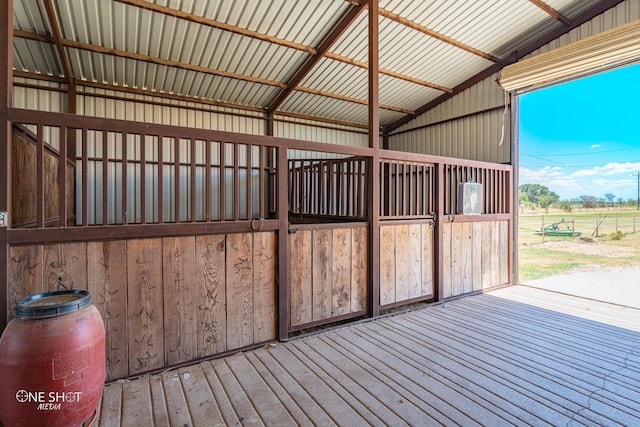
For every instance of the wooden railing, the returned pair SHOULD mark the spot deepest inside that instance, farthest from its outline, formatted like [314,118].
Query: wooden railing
[154,175]
[407,189]
[328,188]
[495,180]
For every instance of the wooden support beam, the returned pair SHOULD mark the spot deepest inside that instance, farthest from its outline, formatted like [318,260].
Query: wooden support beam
[324,47]
[390,73]
[551,11]
[57,37]
[266,38]
[169,63]
[351,99]
[373,199]
[6,85]
[436,35]
[216,24]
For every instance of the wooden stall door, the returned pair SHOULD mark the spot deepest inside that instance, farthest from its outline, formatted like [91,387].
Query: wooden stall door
[328,273]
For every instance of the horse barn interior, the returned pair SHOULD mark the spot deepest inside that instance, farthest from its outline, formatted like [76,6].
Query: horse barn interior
[221,175]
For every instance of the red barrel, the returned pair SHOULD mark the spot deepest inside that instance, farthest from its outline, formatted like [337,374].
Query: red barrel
[52,361]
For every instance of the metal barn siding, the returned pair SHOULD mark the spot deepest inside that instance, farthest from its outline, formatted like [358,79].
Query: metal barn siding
[177,113]
[311,132]
[25,96]
[477,137]
[461,126]
[621,14]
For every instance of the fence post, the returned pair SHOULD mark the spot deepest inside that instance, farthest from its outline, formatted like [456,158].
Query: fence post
[597,225]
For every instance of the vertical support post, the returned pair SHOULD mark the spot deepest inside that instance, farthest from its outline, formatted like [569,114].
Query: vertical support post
[6,88]
[269,124]
[513,191]
[284,291]
[374,169]
[438,238]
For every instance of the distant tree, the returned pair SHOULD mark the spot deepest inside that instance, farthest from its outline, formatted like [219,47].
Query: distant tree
[610,198]
[588,202]
[535,191]
[566,206]
[620,200]
[546,200]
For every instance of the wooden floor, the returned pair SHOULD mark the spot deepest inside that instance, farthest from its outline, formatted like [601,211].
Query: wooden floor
[515,356]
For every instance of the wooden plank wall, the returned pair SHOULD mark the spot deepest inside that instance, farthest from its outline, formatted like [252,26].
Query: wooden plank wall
[24,184]
[406,262]
[328,273]
[163,301]
[475,256]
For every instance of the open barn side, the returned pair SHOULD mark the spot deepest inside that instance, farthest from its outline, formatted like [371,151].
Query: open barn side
[199,243]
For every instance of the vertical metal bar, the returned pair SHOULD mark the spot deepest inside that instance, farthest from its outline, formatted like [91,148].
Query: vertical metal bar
[236,183]
[160,174]
[223,180]
[284,259]
[291,190]
[207,181]
[398,196]
[192,215]
[330,188]
[321,188]
[105,177]
[308,177]
[85,174]
[62,178]
[143,180]
[413,190]
[249,181]
[125,182]
[40,177]
[261,181]
[176,179]
[358,190]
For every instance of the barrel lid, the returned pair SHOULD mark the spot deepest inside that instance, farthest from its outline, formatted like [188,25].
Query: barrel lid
[49,304]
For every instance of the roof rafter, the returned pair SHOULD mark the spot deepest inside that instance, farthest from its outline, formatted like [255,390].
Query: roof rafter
[173,97]
[271,39]
[585,16]
[324,47]
[169,62]
[196,68]
[391,73]
[436,35]
[217,24]
[351,99]
[551,11]
[57,40]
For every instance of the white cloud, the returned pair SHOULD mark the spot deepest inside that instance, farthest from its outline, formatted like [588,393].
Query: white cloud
[595,146]
[615,178]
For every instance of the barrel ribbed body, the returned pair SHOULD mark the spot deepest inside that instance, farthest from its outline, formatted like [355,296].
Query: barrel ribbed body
[52,367]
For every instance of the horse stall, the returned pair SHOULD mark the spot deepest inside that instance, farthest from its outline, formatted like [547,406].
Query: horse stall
[196,244]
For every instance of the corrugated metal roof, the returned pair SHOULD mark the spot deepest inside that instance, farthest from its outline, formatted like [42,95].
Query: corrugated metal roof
[247,53]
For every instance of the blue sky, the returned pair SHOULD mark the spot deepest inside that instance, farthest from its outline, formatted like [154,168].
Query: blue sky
[583,137]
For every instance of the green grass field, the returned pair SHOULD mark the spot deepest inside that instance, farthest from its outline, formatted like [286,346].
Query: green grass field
[540,257]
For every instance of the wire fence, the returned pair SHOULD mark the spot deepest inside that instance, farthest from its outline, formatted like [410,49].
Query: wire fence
[594,225]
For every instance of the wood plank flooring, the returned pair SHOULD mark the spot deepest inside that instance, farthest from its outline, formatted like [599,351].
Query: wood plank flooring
[516,356]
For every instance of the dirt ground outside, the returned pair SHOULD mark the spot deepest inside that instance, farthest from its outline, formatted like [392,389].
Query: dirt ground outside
[605,269]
